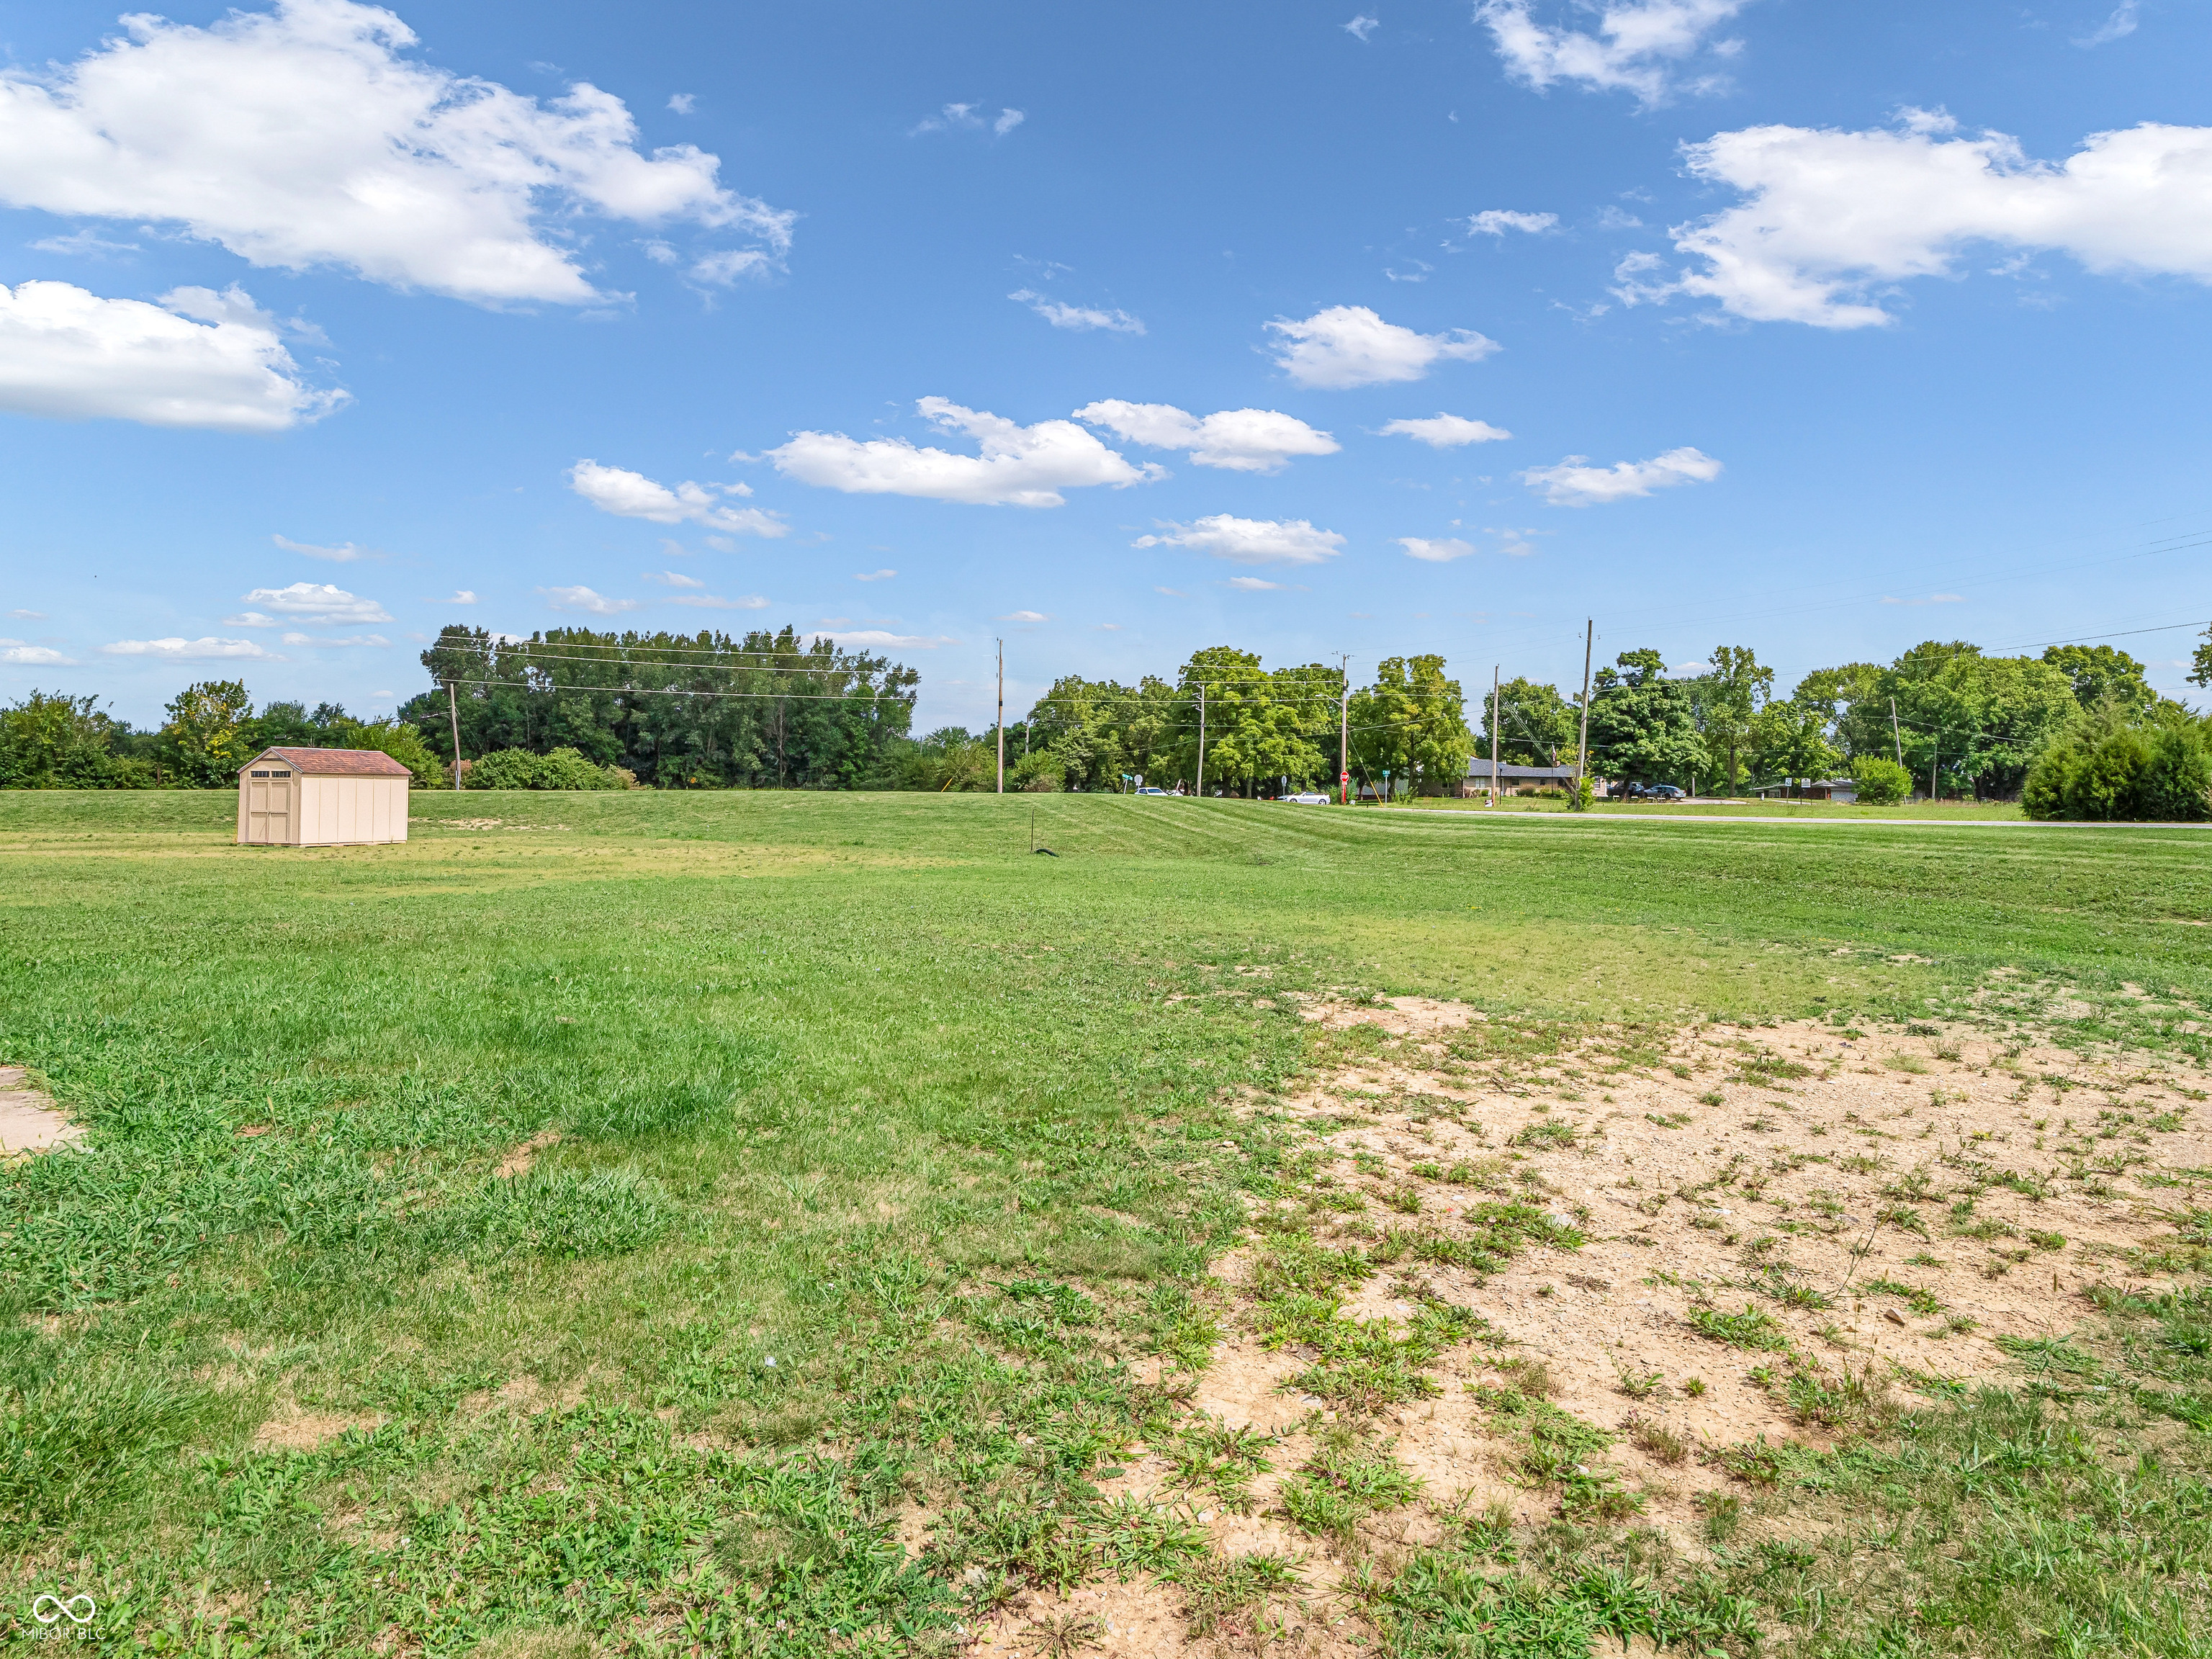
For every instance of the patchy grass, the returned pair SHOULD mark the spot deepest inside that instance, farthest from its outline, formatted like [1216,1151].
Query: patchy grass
[883,1150]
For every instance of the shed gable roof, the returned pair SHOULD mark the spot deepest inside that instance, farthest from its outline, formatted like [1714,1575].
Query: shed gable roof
[334,762]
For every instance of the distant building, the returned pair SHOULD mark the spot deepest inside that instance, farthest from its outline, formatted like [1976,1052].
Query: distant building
[1514,779]
[321,798]
[1843,791]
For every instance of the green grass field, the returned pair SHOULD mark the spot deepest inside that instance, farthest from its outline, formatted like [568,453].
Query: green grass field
[885,1150]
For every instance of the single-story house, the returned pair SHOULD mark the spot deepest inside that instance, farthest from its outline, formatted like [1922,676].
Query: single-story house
[1841,790]
[1514,779]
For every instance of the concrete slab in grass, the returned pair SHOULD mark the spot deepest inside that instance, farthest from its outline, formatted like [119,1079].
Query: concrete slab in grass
[29,1120]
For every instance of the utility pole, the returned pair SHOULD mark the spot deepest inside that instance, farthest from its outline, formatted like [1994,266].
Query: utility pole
[1931,768]
[1344,726]
[1581,743]
[1894,736]
[1201,740]
[453,713]
[1494,735]
[1002,717]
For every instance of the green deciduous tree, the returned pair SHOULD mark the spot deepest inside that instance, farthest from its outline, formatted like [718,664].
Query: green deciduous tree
[1789,740]
[1537,725]
[1411,721]
[206,736]
[1642,725]
[1728,699]
[2100,674]
[1970,720]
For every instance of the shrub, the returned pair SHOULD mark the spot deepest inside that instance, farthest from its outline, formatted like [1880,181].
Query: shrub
[1881,782]
[2102,769]
[564,769]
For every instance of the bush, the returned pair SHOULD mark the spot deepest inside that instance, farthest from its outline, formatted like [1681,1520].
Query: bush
[2104,770]
[1881,782]
[564,769]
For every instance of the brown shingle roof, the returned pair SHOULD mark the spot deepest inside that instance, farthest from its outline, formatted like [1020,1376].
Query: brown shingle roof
[334,762]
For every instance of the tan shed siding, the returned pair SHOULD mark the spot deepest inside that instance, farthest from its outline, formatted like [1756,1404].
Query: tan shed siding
[352,811]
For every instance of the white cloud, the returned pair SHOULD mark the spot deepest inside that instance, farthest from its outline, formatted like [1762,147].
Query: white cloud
[874,575]
[1637,48]
[1446,431]
[326,638]
[1172,592]
[462,596]
[15,652]
[311,602]
[69,355]
[1019,466]
[345,553]
[1250,541]
[86,243]
[2118,27]
[875,637]
[1572,483]
[726,266]
[1349,345]
[1932,598]
[202,650]
[1830,217]
[713,602]
[673,579]
[251,619]
[583,599]
[1078,316]
[29,616]
[682,102]
[1360,28]
[1023,616]
[1253,584]
[969,117]
[632,495]
[1684,669]
[1496,221]
[1438,551]
[303,136]
[1235,440]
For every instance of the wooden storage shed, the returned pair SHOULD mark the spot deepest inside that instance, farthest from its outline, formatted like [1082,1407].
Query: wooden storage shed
[321,798]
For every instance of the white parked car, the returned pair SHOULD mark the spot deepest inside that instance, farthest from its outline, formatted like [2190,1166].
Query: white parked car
[1309,798]
[1149,790]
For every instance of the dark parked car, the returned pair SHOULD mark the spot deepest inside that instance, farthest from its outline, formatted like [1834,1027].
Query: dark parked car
[1651,791]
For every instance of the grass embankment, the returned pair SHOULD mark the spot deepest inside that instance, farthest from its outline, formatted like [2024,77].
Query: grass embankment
[884,1149]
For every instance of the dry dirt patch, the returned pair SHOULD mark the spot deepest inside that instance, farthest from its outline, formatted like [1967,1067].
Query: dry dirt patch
[1894,1200]
[293,1427]
[1891,1206]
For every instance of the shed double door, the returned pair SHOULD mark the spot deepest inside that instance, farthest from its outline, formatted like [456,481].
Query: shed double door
[270,802]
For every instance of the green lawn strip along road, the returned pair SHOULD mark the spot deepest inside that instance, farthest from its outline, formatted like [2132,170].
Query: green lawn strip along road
[884,1145]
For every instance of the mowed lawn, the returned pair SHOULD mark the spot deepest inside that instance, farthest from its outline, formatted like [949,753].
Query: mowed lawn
[599,1219]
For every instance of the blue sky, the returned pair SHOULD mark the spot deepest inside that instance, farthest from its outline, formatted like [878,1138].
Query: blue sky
[1823,329]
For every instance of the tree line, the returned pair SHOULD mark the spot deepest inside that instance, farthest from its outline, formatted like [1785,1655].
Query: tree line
[2075,731]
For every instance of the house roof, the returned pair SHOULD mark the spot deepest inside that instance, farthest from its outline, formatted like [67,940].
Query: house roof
[1478,767]
[334,762]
